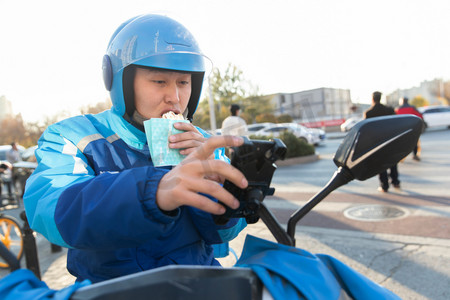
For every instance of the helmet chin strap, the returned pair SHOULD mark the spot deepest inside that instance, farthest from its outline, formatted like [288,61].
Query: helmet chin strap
[186,112]
[136,119]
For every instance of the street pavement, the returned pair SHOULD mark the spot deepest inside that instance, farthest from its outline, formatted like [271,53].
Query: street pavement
[404,245]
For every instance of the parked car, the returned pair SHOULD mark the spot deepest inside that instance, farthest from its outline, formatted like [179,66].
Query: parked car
[312,137]
[435,116]
[28,154]
[349,123]
[253,128]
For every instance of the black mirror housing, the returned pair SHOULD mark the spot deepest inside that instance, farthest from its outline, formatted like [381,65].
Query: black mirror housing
[373,145]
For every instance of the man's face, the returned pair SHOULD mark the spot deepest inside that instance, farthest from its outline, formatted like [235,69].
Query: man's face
[157,92]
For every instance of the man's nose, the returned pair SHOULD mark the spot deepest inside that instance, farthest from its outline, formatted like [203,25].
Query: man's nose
[172,93]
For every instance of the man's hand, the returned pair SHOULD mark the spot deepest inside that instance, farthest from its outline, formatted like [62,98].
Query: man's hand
[187,141]
[182,185]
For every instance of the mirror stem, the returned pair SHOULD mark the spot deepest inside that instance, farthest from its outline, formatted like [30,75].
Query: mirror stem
[275,228]
[341,177]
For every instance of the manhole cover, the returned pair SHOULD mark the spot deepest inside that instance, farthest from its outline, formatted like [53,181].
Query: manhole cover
[373,212]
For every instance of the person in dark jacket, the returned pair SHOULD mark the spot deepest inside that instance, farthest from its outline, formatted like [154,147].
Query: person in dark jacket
[406,108]
[377,110]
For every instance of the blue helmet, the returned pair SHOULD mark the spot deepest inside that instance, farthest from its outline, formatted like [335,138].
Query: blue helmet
[154,41]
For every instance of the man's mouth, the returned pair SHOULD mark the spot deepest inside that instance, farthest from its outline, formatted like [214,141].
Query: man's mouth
[175,111]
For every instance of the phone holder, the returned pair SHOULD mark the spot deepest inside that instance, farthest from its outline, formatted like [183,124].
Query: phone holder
[255,159]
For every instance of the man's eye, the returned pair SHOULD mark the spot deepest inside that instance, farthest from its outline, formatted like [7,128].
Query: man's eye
[184,82]
[158,81]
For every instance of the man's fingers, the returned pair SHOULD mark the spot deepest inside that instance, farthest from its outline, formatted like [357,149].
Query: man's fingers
[184,183]
[216,191]
[185,144]
[184,126]
[215,177]
[187,151]
[186,136]
[221,169]
[204,203]
[212,143]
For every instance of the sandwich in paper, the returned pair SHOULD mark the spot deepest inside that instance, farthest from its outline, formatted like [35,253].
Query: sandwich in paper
[172,116]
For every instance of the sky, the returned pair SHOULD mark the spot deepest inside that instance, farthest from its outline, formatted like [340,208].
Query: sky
[51,51]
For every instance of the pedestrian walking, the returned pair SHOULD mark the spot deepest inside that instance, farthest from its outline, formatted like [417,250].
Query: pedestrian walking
[376,110]
[13,155]
[234,124]
[406,108]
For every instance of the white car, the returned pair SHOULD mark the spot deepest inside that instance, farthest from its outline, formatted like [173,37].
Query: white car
[435,116]
[253,128]
[312,137]
[349,123]
[28,154]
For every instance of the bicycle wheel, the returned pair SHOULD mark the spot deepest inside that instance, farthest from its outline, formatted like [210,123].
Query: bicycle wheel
[11,237]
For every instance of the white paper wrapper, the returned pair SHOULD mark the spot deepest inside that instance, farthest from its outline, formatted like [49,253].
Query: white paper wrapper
[158,131]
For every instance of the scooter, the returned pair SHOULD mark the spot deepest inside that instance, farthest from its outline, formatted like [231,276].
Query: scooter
[268,270]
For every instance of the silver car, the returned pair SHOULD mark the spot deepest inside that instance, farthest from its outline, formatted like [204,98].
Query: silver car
[349,123]
[313,137]
[253,128]
[435,116]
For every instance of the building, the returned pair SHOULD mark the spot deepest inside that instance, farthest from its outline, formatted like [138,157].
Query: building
[5,108]
[317,105]
[430,90]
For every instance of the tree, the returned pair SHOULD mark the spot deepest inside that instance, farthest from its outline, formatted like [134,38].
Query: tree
[34,131]
[27,134]
[285,118]
[419,101]
[228,88]
[257,105]
[12,129]
[261,118]
[96,108]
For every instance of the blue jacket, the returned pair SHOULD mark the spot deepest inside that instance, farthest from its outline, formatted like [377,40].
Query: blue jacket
[94,192]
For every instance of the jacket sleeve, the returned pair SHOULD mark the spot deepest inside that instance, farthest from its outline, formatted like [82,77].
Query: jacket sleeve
[73,207]
[213,233]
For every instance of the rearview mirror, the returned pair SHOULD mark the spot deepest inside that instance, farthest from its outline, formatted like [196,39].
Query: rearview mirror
[375,144]
[370,147]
